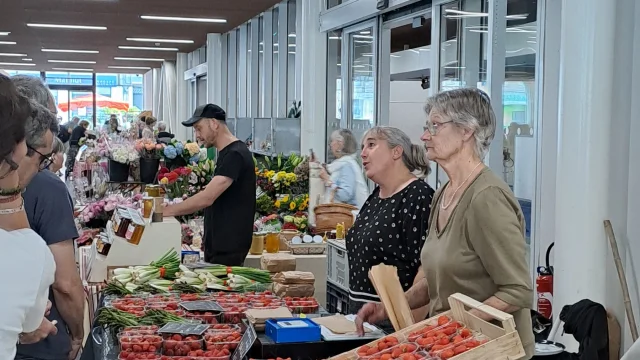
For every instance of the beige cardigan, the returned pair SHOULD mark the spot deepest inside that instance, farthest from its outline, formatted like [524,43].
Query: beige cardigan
[481,252]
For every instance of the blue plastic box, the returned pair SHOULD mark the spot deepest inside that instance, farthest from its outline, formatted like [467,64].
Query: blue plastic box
[292,330]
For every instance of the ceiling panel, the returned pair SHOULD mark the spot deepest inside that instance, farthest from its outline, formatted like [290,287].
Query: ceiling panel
[122,19]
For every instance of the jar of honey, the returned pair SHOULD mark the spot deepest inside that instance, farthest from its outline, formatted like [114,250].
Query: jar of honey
[147,207]
[136,228]
[257,244]
[340,231]
[153,190]
[273,242]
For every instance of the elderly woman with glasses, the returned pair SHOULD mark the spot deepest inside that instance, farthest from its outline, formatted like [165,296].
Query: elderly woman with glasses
[475,243]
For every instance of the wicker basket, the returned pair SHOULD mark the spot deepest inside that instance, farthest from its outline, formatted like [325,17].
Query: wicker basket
[285,239]
[331,214]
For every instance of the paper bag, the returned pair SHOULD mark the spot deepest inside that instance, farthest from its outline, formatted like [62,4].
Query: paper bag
[278,262]
[294,277]
[294,290]
[387,284]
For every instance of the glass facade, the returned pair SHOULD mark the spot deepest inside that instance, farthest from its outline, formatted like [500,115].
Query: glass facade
[119,94]
[472,36]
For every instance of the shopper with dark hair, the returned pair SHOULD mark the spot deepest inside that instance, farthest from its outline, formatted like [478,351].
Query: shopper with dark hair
[24,299]
[50,212]
[74,145]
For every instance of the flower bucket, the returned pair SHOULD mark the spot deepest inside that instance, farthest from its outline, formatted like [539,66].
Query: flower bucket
[172,164]
[149,170]
[118,172]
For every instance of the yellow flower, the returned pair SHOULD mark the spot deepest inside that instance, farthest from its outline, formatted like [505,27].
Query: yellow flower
[277,204]
[164,181]
[292,206]
[301,207]
[285,198]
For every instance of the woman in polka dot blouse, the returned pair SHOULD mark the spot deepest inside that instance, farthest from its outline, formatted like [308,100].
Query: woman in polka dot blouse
[392,225]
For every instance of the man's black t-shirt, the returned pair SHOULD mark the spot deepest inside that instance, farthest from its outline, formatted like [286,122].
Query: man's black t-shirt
[64,134]
[228,222]
[78,133]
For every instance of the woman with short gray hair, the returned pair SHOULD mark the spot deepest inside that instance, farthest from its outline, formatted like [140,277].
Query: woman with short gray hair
[343,178]
[475,243]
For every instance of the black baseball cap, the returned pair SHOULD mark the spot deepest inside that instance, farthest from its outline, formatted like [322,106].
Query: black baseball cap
[208,111]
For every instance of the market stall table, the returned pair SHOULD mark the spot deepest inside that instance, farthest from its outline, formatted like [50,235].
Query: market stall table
[315,264]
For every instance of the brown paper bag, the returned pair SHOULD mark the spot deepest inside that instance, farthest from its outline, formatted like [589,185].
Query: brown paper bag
[293,290]
[278,262]
[294,277]
[387,284]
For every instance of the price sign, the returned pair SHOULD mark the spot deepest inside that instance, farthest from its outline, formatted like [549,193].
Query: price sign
[183,328]
[201,305]
[245,344]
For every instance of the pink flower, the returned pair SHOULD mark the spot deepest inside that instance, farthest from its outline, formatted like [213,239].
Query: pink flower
[110,206]
[158,146]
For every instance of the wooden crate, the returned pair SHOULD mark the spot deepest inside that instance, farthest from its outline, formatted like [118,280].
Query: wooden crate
[504,343]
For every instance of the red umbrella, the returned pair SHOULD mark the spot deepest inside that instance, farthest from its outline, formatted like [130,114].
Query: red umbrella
[87,101]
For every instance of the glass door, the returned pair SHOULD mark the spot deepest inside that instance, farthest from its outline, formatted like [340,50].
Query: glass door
[72,103]
[359,94]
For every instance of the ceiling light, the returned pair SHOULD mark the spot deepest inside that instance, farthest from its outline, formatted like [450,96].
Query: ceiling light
[71,51]
[72,69]
[136,59]
[62,26]
[16,64]
[72,61]
[7,42]
[12,54]
[177,18]
[292,35]
[130,67]
[27,59]
[161,40]
[147,48]
[4,33]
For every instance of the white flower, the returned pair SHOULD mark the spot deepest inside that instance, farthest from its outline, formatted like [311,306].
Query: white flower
[193,178]
[203,154]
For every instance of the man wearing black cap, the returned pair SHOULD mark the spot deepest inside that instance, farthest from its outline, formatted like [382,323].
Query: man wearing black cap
[230,198]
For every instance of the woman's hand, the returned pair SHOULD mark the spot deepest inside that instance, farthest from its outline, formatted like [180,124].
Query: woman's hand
[324,175]
[371,313]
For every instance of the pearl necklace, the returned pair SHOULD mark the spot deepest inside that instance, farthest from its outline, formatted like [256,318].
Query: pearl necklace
[444,192]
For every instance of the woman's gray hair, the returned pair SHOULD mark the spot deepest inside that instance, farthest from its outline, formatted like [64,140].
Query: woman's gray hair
[414,156]
[34,89]
[58,146]
[37,125]
[468,108]
[349,142]
[162,126]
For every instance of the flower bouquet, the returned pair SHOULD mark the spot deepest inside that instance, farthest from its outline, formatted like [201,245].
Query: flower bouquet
[150,153]
[96,214]
[121,157]
[201,173]
[292,204]
[179,154]
[269,223]
[295,222]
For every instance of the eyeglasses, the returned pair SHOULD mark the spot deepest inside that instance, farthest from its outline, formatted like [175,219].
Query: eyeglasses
[433,128]
[45,160]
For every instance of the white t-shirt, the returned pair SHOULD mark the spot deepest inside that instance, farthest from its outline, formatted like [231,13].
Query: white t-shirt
[28,270]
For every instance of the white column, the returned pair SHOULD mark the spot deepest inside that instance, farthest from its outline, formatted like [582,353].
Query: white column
[313,50]
[182,107]
[214,69]
[583,180]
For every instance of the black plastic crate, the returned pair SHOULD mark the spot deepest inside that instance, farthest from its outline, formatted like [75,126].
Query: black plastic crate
[337,300]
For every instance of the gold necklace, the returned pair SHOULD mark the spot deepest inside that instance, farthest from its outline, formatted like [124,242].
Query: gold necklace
[444,192]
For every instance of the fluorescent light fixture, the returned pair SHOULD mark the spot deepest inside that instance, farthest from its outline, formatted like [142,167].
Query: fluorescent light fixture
[136,59]
[147,48]
[292,35]
[16,64]
[72,61]
[292,52]
[72,69]
[292,45]
[161,40]
[5,33]
[179,18]
[12,54]
[365,32]
[27,59]
[130,67]
[71,51]
[7,42]
[63,26]
[363,36]
[517,17]
[334,38]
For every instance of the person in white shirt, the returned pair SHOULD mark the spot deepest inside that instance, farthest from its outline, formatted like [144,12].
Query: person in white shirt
[25,259]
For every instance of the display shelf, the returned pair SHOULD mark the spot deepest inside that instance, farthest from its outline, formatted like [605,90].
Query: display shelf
[156,240]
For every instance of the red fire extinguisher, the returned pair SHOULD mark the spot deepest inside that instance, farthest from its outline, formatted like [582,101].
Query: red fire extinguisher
[544,287]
